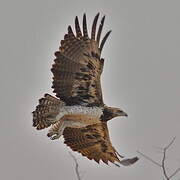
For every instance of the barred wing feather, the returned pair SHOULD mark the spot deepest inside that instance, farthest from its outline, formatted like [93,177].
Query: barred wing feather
[78,66]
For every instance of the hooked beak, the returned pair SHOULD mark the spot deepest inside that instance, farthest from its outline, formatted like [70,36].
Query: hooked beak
[122,113]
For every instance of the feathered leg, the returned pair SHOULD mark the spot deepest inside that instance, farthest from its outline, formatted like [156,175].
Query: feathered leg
[56,130]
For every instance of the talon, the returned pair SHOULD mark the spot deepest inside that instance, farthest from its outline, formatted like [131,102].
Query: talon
[50,134]
[55,132]
[55,136]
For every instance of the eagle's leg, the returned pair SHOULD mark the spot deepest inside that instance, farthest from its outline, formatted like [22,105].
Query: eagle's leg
[56,136]
[51,118]
[56,131]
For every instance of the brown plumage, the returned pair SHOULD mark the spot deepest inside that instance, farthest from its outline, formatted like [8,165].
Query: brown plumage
[78,66]
[48,108]
[93,142]
[79,113]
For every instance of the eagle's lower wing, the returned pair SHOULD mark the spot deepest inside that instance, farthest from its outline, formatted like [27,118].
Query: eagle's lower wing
[78,65]
[93,142]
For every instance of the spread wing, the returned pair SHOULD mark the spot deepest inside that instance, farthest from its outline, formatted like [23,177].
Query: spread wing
[93,142]
[78,65]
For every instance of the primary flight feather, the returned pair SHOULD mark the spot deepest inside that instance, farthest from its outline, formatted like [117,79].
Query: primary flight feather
[78,111]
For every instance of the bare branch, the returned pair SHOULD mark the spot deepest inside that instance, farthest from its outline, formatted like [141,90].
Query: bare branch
[174,173]
[162,165]
[172,141]
[76,166]
[148,158]
[164,158]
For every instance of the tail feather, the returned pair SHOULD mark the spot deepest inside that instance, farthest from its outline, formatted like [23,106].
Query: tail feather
[47,108]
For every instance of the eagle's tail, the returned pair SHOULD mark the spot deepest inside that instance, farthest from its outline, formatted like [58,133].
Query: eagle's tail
[46,110]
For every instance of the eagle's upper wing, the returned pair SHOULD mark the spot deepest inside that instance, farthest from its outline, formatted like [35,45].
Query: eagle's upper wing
[93,142]
[78,65]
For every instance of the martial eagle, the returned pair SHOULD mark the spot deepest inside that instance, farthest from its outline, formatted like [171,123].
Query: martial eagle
[78,111]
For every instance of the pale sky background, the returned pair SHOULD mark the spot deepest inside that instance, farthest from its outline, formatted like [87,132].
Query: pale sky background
[141,75]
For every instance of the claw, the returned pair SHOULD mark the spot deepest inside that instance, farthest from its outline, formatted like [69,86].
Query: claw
[55,136]
[49,134]
[55,132]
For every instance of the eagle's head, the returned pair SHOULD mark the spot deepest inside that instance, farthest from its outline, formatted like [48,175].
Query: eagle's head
[111,112]
[118,112]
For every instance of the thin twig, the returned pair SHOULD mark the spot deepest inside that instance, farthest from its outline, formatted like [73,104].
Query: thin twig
[162,165]
[150,159]
[170,143]
[174,173]
[76,166]
[164,158]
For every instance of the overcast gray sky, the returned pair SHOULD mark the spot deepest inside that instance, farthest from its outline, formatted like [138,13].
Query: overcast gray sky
[141,75]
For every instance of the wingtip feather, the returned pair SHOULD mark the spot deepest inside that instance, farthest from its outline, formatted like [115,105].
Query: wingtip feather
[85,31]
[104,40]
[100,29]
[93,32]
[128,162]
[77,28]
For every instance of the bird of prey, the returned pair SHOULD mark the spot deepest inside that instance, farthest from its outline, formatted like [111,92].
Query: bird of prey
[78,112]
